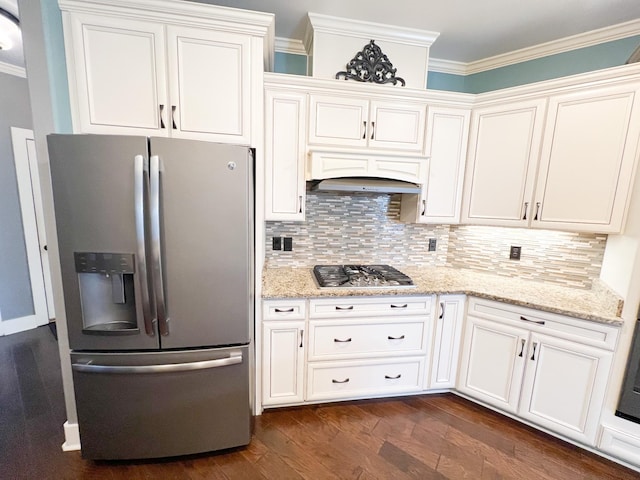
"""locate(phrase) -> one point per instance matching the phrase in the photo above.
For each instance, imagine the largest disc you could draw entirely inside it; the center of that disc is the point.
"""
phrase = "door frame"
(28, 182)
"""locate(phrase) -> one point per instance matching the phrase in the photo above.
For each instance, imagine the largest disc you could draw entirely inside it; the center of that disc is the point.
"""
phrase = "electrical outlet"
(432, 244)
(277, 243)
(288, 244)
(514, 253)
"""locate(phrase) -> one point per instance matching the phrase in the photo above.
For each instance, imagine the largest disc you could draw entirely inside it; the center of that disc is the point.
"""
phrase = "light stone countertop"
(599, 304)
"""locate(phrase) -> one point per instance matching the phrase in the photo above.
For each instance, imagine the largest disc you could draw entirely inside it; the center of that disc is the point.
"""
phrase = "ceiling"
(470, 30)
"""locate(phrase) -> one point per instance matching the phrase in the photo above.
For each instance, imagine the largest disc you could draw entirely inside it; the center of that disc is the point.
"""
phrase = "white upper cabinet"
(167, 68)
(503, 154)
(355, 121)
(285, 113)
(563, 161)
(209, 84)
(441, 198)
(119, 74)
(588, 159)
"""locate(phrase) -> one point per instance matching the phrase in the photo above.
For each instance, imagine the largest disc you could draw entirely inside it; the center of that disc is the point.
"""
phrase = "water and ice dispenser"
(107, 292)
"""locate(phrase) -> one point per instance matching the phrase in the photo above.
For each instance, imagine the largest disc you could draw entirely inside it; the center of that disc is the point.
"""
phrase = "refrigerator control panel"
(94, 262)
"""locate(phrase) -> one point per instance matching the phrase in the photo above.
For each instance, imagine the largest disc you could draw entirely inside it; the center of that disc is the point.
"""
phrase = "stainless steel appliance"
(155, 240)
(629, 403)
(360, 276)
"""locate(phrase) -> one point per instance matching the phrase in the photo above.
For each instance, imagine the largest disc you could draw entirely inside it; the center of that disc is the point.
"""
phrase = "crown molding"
(587, 39)
(290, 45)
(574, 42)
(447, 66)
(13, 70)
(358, 28)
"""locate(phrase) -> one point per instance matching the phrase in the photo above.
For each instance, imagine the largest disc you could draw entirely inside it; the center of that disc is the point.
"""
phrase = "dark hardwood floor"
(419, 437)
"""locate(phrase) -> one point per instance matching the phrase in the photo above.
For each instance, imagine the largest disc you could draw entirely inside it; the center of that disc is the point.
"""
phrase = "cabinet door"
(441, 198)
(397, 126)
(336, 120)
(493, 362)
(446, 345)
(116, 73)
(282, 362)
(503, 154)
(210, 78)
(587, 161)
(564, 386)
(285, 115)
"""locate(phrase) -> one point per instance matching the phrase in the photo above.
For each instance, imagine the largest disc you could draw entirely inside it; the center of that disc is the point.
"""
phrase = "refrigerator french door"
(155, 240)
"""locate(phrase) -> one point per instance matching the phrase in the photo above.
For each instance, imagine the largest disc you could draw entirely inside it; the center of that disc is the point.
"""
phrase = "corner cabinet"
(563, 161)
(545, 368)
(446, 341)
(164, 68)
(285, 115)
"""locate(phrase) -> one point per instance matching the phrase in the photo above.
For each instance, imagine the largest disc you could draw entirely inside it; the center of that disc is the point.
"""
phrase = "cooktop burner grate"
(360, 276)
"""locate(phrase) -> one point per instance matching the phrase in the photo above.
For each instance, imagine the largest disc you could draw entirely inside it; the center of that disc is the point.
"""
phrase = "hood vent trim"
(364, 184)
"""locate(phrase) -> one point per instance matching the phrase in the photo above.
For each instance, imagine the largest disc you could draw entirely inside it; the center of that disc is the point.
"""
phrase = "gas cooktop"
(360, 276)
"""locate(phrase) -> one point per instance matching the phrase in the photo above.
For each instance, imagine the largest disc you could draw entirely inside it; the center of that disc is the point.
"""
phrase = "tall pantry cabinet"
(165, 68)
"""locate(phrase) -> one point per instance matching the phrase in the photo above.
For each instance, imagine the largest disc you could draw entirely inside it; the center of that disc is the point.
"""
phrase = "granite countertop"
(599, 304)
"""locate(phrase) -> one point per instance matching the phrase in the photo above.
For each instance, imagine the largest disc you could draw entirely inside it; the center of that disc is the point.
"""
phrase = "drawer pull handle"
(441, 310)
(533, 355)
(526, 207)
(346, 380)
(337, 340)
(389, 377)
(539, 322)
(401, 337)
(350, 307)
(537, 212)
(285, 310)
(522, 347)
(301, 337)
(399, 306)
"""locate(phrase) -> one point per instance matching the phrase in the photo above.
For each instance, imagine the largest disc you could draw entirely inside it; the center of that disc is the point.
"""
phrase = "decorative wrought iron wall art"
(371, 65)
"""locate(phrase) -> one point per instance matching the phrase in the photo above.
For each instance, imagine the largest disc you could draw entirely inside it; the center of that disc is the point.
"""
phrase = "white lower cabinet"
(364, 347)
(341, 380)
(548, 369)
(446, 341)
(283, 347)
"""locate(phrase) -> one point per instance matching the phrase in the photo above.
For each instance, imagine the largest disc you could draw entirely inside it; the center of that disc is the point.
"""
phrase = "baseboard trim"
(71, 437)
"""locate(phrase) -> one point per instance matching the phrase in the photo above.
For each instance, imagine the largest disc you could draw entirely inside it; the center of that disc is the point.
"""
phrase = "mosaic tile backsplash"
(366, 228)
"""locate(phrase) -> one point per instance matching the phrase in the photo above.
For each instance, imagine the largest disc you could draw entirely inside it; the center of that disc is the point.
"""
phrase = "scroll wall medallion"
(371, 65)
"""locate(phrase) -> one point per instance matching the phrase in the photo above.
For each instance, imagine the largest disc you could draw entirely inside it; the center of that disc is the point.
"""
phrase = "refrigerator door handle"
(156, 248)
(140, 182)
(234, 358)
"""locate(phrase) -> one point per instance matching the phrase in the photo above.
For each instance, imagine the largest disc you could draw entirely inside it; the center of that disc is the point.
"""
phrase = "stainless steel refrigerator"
(155, 240)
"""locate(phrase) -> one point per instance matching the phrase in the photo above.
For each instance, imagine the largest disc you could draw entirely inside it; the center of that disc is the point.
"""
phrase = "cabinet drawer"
(284, 309)
(341, 380)
(330, 340)
(584, 331)
(358, 306)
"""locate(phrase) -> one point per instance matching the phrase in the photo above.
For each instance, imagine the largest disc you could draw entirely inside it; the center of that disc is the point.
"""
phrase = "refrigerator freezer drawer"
(161, 404)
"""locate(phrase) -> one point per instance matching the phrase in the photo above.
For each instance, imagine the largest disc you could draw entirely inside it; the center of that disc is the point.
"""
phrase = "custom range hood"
(364, 184)
(365, 172)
